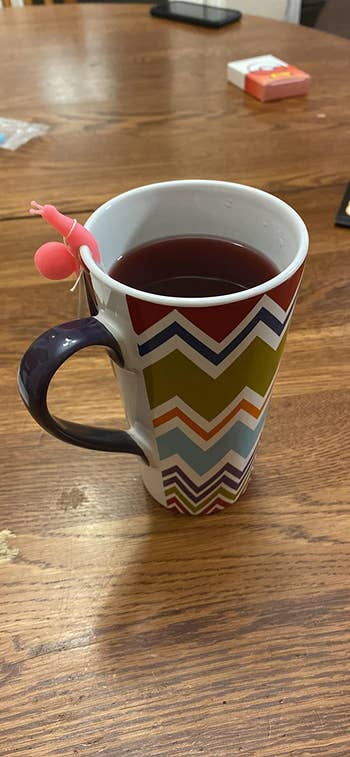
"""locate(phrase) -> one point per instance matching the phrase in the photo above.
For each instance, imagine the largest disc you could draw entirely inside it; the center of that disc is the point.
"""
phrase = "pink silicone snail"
(58, 260)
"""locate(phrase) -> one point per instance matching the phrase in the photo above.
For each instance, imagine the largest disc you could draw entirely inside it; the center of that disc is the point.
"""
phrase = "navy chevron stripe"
(227, 468)
(223, 481)
(175, 329)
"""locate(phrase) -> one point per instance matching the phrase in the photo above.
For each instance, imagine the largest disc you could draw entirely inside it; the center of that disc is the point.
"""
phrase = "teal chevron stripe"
(240, 439)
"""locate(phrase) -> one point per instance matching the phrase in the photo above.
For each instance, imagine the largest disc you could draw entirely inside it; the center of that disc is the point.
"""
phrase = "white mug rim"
(189, 302)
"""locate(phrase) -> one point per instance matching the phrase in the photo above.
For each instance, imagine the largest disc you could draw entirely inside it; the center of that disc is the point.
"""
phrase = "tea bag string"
(78, 279)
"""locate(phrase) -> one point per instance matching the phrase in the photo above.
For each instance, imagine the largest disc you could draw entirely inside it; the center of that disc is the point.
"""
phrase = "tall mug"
(195, 374)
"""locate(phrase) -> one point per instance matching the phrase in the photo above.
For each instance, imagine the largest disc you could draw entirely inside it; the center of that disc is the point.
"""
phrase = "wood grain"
(126, 630)
(130, 99)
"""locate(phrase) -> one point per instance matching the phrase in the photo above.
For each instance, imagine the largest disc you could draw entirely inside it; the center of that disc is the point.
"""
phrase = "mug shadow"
(184, 578)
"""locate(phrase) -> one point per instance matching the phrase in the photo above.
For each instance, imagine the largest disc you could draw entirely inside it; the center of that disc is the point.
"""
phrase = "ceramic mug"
(195, 374)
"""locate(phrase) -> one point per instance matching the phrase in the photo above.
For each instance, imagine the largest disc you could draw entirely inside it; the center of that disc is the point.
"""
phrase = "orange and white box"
(268, 78)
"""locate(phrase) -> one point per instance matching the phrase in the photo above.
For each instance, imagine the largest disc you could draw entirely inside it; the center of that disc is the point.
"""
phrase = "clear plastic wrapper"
(15, 133)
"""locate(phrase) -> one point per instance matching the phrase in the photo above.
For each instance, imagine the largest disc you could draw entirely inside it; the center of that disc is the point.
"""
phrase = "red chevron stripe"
(145, 314)
(217, 501)
(216, 322)
(284, 294)
(210, 508)
(175, 504)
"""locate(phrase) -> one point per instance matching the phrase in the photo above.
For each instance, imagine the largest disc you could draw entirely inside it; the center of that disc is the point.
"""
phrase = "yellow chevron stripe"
(176, 375)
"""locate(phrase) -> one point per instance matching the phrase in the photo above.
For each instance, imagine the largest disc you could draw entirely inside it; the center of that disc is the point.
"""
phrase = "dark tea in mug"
(193, 266)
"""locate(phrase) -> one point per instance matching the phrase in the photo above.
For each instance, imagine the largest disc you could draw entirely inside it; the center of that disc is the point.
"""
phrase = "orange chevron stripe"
(206, 435)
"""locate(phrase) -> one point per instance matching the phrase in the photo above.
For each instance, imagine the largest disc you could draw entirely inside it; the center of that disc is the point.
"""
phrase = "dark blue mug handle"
(40, 363)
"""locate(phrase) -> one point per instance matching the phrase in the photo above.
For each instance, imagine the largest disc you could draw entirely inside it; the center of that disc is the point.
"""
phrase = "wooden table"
(127, 630)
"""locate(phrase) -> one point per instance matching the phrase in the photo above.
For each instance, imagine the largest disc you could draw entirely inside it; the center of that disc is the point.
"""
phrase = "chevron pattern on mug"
(209, 373)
